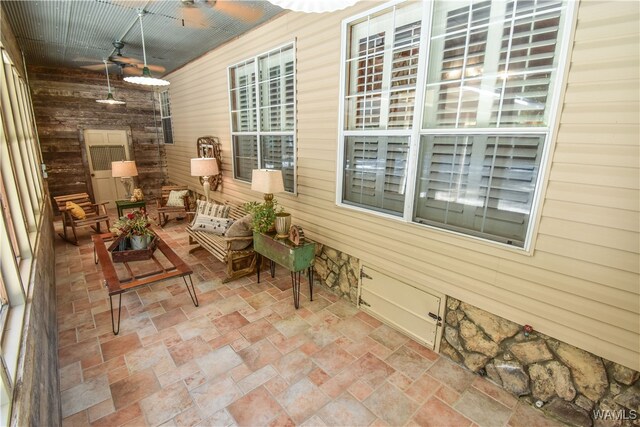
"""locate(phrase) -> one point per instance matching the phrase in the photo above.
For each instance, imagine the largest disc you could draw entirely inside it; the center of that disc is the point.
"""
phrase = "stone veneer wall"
(337, 271)
(573, 384)
(36, 400)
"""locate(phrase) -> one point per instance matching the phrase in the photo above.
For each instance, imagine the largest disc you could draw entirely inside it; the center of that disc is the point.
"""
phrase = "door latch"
(435, 317)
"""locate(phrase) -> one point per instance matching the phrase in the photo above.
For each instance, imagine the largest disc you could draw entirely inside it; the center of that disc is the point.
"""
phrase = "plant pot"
(139, 242)
(283, 223)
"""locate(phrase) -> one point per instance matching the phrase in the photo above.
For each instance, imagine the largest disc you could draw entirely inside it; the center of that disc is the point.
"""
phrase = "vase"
(283, 223)
(139, 242)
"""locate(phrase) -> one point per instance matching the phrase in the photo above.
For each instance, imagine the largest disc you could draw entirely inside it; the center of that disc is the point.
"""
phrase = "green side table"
(293, 258)
(121, 205)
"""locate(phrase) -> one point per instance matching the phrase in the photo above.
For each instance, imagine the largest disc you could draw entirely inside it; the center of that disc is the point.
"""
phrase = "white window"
(489, 88)
(263, 104)
(21, 202)
(165, 117)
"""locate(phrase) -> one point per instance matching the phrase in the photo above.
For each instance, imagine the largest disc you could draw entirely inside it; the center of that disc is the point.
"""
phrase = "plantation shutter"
(480, 183)
(509, 173)
(369, 81)
(403, 75)
(528, 58)
(376, 171)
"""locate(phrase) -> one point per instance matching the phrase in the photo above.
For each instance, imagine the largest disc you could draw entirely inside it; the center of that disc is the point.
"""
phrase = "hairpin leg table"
(139, 273)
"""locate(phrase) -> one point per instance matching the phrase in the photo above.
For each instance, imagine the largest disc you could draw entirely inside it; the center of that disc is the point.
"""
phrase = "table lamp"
(205, 167)
(124, 170)
(267, 181)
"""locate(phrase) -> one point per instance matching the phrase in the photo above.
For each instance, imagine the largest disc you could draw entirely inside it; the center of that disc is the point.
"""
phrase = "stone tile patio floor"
(247, 357)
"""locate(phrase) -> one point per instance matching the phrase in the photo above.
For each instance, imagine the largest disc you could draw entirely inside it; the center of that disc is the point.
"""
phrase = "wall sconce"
(204, 167)
(267, 181)
(124, 170)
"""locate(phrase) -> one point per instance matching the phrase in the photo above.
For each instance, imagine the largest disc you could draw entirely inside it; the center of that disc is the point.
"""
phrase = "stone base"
(337, 271)
(575, 386)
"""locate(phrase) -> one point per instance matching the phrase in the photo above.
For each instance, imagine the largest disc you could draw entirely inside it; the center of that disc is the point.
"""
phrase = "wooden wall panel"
(580, 283)
(64, 101)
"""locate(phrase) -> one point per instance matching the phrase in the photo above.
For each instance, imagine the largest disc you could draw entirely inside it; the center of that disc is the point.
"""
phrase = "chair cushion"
(76, 211)
(240, 228)
(176, 198)
(211, 224)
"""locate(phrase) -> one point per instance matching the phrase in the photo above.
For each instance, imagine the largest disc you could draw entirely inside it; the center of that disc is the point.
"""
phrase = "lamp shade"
(267, 181)
(123, 168)
(204, 167)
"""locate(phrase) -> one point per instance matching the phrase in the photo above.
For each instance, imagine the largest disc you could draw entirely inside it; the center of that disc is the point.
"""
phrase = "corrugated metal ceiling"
(80, 33)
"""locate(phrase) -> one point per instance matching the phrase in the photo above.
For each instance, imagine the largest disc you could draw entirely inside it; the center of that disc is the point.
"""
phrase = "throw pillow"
(176, 198)
(240, 228)
(76, 211)
(211, 209)
(211, 224)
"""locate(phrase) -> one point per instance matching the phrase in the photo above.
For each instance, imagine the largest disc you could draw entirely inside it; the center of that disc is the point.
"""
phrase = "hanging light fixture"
(313, 6)
(110, 99)
(145, 79)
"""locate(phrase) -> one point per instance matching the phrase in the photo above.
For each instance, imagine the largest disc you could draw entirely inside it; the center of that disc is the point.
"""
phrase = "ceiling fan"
(194, 15)
(126, 65)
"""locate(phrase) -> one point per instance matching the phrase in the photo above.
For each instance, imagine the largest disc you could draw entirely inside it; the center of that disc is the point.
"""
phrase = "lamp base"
(126, 183)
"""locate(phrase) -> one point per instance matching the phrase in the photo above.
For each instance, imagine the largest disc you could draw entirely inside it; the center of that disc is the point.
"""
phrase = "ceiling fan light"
(313, 6)
(146, 79)
(110, 100)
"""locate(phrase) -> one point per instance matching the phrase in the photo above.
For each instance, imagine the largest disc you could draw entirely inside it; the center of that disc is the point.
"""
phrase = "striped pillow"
(213, 209)
(210, 209)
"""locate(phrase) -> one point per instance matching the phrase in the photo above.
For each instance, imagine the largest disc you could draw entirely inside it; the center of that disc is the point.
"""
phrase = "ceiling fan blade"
(124, 59)
(238, 10)
(96, 67)
(193, 17)
(156, 68)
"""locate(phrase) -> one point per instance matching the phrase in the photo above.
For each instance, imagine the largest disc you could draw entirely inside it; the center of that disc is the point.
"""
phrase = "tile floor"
(245, 356)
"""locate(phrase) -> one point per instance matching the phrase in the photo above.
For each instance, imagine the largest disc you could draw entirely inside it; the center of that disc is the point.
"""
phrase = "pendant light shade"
(313, 6)
(110, 99)
(145, 79)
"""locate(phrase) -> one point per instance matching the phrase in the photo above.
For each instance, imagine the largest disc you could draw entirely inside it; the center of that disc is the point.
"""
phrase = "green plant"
(135, 223)
(264, 215)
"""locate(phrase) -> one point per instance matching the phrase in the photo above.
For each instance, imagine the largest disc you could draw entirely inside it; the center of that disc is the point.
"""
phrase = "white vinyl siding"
(491, 67)
(263, 114)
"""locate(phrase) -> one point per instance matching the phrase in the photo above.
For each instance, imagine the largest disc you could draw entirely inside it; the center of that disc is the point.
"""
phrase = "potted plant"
(264, 215)
(136, 227)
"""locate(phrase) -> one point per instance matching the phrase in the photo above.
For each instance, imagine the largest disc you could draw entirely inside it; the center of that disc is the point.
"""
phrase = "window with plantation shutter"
(165, 117)
(489, 72)
(263, 114)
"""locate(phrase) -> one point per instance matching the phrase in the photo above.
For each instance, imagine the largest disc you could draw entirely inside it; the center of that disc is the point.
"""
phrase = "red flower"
(130, 215)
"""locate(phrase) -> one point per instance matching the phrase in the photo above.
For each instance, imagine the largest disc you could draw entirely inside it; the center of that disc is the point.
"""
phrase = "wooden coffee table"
(138, 273)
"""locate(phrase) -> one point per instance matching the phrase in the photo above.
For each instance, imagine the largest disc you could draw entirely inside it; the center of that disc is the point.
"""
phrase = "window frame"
(556, 90)
(258, 133)
(163, 117)
(20, 217)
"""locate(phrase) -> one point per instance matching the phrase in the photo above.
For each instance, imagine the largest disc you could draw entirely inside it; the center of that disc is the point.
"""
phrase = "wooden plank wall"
(580, 284)
(64, 101)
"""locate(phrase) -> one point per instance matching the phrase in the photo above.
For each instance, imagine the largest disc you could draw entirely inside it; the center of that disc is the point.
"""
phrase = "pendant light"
(145, 79)
(110, 99)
